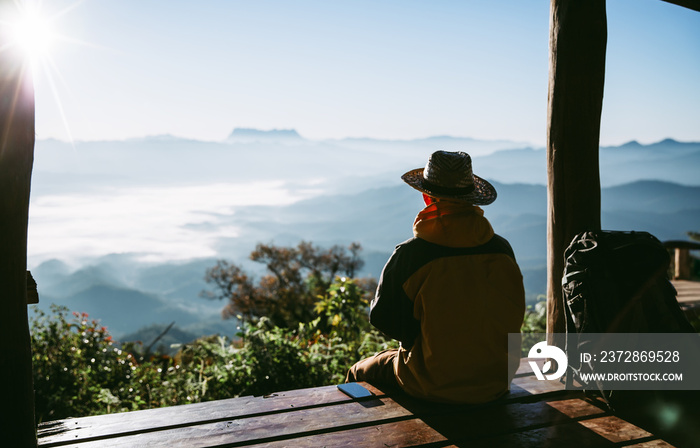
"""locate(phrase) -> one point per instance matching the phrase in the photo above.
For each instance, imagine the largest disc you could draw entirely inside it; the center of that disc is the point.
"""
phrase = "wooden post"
(578, 37)
(682, 263)
(17, 427)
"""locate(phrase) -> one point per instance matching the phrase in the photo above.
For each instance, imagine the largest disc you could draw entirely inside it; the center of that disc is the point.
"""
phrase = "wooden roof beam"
(690, 4)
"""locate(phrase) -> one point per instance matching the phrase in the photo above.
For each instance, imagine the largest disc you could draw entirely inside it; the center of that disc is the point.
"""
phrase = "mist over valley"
(125, 230)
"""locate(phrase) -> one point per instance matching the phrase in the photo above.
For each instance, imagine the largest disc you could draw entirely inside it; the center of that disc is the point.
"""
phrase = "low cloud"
(163, 223)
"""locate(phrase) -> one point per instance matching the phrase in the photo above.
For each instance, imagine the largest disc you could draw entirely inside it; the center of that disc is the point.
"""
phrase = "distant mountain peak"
(665, 142)
(631, 144)
(258, 134)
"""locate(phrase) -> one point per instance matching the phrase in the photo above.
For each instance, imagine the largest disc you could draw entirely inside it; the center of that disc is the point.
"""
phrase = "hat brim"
(484, 193)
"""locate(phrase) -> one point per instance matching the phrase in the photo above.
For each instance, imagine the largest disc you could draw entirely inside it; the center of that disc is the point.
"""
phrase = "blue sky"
(335, 69)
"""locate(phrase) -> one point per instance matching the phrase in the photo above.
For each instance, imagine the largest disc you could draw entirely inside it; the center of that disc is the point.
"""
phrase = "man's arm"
(392, 310)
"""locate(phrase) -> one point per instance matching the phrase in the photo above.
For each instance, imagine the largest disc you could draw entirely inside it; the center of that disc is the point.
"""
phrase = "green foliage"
(316, 353)
(536, 317)
(343, 310)
(534, 324)
(77, 367)
(79, 370)
(277, 359)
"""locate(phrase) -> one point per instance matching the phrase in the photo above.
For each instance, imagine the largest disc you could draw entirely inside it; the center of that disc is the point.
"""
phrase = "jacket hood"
(452, 224)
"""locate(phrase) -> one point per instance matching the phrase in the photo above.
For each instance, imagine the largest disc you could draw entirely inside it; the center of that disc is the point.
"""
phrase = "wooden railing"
(682, 261)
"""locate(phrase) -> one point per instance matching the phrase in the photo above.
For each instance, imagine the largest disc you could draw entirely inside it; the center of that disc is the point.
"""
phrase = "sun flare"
(33, 35)
(31, 32)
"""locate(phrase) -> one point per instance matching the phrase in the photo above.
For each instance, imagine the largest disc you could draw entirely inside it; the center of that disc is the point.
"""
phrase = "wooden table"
(534, 414)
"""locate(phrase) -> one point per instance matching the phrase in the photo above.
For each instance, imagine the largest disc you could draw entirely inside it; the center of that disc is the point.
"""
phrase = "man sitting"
(450, 295)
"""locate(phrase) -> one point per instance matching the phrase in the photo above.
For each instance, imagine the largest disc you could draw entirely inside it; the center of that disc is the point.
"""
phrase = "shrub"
(78, 370)
(534, 324)
(535, 317)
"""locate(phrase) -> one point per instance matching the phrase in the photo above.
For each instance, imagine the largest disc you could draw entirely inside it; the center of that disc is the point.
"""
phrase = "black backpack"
(616, 282)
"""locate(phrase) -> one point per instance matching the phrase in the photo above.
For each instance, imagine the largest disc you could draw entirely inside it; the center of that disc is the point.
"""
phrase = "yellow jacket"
(451, 295)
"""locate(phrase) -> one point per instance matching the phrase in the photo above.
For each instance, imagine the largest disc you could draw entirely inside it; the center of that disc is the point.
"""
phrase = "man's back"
(463, 302)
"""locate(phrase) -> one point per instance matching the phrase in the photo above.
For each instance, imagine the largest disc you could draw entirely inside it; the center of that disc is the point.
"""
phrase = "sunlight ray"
(59, 103)
(57, 72)
(67, 9)
(72, 40)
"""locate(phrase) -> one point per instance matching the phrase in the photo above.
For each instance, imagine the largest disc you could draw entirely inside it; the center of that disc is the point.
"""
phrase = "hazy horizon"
(169, 200)
(361, 69)
(358, 137)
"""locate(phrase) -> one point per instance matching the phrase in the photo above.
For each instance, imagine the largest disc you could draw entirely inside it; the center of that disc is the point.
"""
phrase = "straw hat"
(448, 175)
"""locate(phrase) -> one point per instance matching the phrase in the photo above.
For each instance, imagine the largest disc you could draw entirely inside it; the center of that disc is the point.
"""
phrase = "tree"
(297, 277)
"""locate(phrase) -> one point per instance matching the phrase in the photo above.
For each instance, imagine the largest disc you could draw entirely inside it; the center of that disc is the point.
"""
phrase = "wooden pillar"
(17, 427)
(682, 263)
(578, 37)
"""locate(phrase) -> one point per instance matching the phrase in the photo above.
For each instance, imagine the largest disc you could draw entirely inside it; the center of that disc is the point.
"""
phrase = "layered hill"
(128, 228)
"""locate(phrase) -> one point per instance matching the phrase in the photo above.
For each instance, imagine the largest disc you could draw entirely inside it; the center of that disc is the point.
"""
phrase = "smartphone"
(354, 390)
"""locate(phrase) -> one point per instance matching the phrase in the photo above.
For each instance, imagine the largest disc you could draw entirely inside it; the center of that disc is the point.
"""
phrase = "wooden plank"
(244, 431)
(111, 425)
(337, 421)
(101, 426)
(568, 422)
(104, 425)
(688, 291)
(522, 390)
(534, 386)
(325, 416)
(413, 432)
(496, 421)
(298, 414)
(575, 408)
(578, 38)
(615, 429)
(16, 158)
(688, 297)
(569, 434)
(651, 444)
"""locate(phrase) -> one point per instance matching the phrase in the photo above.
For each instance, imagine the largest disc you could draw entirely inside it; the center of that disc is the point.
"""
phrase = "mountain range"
(348, 190)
